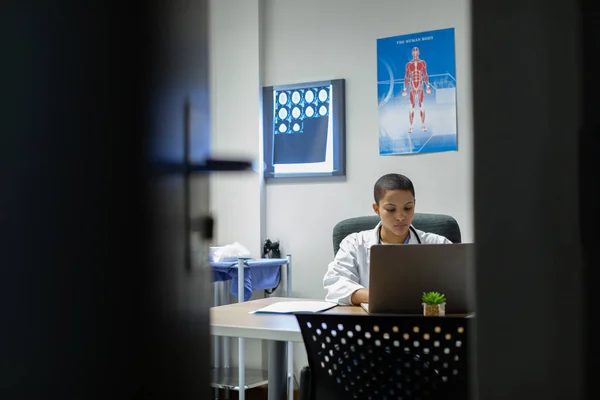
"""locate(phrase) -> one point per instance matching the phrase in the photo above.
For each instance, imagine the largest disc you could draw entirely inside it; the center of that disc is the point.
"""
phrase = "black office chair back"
(385, 357)
(440, 224)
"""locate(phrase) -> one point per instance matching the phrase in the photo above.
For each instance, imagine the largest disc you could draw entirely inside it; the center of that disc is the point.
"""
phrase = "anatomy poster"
(416, 89)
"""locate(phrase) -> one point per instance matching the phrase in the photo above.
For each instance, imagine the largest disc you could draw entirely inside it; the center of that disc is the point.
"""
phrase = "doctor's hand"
(360, 296)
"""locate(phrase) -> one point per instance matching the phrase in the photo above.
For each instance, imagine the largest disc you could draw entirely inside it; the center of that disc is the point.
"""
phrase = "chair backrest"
(440, 224)
(386, 356)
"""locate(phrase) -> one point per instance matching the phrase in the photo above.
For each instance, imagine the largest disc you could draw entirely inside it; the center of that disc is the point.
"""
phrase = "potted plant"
(434, 304)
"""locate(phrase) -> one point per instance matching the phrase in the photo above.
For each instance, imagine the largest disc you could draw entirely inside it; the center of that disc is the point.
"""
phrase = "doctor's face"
(396, 209)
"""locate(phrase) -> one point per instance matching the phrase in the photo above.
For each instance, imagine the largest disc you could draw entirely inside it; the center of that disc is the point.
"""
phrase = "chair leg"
(306, 390)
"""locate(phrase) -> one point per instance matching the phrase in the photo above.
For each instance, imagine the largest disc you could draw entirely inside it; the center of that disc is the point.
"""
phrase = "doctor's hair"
(392, 182)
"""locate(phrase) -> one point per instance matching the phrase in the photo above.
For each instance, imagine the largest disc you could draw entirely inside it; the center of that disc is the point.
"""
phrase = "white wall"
(236, 199)
(337, 39)
(314, 40)
(235, 111)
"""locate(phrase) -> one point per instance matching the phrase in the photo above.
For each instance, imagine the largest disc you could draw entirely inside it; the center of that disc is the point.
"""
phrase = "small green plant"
(433, 298)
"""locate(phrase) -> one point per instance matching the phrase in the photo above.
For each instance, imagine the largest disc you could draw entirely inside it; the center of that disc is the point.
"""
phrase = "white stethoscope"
(410, 228)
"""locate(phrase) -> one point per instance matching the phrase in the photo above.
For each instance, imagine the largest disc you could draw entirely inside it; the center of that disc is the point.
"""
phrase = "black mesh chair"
(441, 224)
(384, 357)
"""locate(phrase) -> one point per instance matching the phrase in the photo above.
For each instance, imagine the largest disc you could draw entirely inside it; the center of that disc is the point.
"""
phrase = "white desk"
(281, 330)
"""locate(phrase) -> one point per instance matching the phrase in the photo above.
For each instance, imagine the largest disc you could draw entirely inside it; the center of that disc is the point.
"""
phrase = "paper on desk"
(290, 307)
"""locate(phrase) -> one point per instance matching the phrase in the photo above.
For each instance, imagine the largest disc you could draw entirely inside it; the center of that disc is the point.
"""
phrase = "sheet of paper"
(290, 307)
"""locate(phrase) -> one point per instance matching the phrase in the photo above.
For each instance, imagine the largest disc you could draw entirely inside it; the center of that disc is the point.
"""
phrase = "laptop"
(400, 274)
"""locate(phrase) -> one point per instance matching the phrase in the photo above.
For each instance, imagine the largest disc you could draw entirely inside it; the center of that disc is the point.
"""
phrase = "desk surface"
(234, 320)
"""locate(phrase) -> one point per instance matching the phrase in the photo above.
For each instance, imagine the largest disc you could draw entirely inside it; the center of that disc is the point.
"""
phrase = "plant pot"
(434, 310)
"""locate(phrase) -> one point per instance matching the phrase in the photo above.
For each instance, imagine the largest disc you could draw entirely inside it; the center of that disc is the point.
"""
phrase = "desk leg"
(216, 339)
(290, 370)
(241, 360)
(225, 340)
(277, 370)
(241, 370)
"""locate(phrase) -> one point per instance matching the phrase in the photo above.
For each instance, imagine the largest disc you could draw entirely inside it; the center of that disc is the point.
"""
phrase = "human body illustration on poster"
(416, 89)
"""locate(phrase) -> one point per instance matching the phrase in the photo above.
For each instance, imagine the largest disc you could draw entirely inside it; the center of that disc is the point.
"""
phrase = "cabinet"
(237, 378)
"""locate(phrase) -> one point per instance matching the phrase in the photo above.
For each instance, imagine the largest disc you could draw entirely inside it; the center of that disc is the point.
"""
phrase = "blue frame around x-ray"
(299, 122)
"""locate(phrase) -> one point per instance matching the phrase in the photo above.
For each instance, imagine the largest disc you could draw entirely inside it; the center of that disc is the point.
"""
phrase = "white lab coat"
(349, 271)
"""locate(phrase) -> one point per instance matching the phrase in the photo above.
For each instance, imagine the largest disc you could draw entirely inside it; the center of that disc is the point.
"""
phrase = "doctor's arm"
(360, 296)
(342, 279)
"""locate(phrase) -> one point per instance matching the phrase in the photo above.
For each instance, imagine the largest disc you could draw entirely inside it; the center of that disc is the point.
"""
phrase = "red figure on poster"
(416, 74)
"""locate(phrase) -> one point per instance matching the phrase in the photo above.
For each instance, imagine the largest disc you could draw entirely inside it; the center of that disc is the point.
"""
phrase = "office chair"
(384, 357)
(441, 224)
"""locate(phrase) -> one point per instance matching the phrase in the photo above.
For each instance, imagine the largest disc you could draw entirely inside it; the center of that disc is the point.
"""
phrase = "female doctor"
(347, 278)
